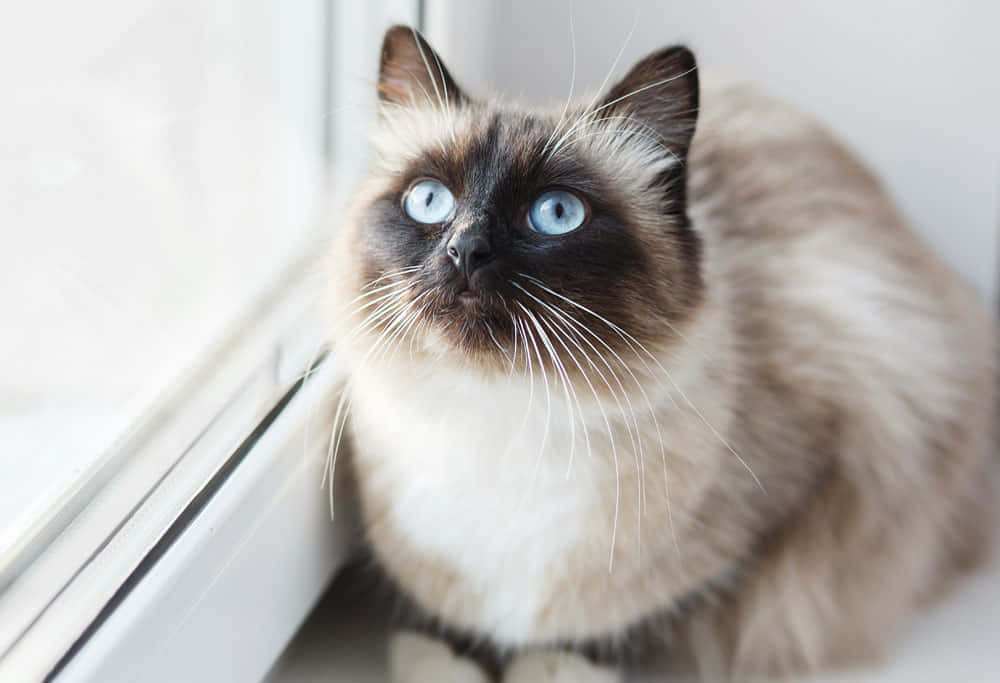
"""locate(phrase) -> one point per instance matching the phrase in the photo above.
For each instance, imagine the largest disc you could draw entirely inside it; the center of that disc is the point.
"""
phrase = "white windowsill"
(58, 594)
(230, 591)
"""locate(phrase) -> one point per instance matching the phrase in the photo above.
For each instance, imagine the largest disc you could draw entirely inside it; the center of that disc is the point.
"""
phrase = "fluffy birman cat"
(664, 364)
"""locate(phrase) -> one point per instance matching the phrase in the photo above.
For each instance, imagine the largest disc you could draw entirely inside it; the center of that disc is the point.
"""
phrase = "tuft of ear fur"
(661, 92)
(411, 72)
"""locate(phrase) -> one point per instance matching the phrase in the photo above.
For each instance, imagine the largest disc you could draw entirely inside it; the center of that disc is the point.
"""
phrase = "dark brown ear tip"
(680, 55)
(394, 35)
(409, 67)
(397, 32)
(401, 38)
(680, 61)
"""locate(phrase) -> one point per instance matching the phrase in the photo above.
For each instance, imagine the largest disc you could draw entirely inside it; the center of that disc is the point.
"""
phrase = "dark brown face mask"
(506, 226)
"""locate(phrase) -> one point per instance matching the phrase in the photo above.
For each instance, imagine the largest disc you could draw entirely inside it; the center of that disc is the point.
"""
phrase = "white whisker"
(548, 398)
(583, 119)
(635, 438)
(520, 328)
(630, 340)
(441, 99)
(572, 82)
(339, 421)
(560, 373)
(611, 438)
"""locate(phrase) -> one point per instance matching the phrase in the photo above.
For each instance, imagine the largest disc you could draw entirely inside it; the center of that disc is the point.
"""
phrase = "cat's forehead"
(471, 137)
(482, 141)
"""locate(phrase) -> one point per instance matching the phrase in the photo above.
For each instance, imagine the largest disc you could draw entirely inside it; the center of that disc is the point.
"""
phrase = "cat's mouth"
(467, 297)
(470, 318)
(467, 304)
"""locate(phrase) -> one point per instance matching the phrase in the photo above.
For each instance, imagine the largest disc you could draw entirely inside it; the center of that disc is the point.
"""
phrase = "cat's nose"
(469, 250)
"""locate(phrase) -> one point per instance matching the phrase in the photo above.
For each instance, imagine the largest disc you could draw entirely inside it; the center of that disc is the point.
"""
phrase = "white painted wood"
(161, 169)
(228, 595)
(249, 97)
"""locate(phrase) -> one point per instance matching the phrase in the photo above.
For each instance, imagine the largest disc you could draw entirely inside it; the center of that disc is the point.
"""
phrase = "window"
(166, 170)
(162, 175)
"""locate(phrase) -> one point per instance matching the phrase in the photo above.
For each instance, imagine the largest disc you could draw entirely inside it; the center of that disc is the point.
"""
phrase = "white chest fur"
(459, 461)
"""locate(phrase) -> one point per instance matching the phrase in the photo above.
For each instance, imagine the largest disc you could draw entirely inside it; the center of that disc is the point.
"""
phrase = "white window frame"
(195, 552)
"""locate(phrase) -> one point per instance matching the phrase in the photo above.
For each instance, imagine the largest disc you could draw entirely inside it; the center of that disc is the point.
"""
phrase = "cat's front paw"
(416, 658)
(553, 666)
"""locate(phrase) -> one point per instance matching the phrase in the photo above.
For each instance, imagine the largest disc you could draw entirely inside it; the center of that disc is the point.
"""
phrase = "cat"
(666, 361)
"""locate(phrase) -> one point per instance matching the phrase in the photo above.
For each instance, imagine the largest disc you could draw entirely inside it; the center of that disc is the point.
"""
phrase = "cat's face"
(492, 231)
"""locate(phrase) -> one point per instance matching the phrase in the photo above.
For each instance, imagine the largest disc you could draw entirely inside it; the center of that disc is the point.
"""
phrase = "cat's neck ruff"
(499, 479)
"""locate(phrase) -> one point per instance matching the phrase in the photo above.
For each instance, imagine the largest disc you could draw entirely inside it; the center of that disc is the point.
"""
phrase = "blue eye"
(429, 202)
(556, 212)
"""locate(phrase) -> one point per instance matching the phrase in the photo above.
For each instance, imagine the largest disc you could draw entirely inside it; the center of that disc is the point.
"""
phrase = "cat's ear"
(661, 91)
(411, 73)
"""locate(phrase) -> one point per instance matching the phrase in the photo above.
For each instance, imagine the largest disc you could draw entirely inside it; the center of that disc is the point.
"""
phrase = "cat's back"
(831, 292)
(761, 168)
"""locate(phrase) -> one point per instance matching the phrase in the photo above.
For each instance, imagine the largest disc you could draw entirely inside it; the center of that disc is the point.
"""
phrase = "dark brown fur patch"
(622, 266)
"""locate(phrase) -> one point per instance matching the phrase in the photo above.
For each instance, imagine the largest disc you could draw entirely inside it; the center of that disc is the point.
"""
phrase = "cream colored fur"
(416, 658)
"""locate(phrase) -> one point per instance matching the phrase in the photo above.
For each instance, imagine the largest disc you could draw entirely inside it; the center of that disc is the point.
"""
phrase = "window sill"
(227, 594)
(90, 553)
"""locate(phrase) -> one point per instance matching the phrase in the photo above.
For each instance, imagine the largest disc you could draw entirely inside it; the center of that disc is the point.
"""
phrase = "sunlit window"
(161, 166)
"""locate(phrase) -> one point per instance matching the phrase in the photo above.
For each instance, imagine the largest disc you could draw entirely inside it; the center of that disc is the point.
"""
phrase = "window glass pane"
(160, 166)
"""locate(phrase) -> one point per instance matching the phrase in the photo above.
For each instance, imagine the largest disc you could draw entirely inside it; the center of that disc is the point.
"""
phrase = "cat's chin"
(466, 352)
(469, 333)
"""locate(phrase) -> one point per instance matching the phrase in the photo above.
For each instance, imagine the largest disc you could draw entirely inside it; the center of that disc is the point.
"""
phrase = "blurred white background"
(159, 168)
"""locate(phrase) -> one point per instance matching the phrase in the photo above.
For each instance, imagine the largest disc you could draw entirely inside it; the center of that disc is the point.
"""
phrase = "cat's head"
(487, 230)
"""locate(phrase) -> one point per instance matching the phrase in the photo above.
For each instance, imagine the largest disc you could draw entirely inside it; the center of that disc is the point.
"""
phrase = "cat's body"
(792, 466)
